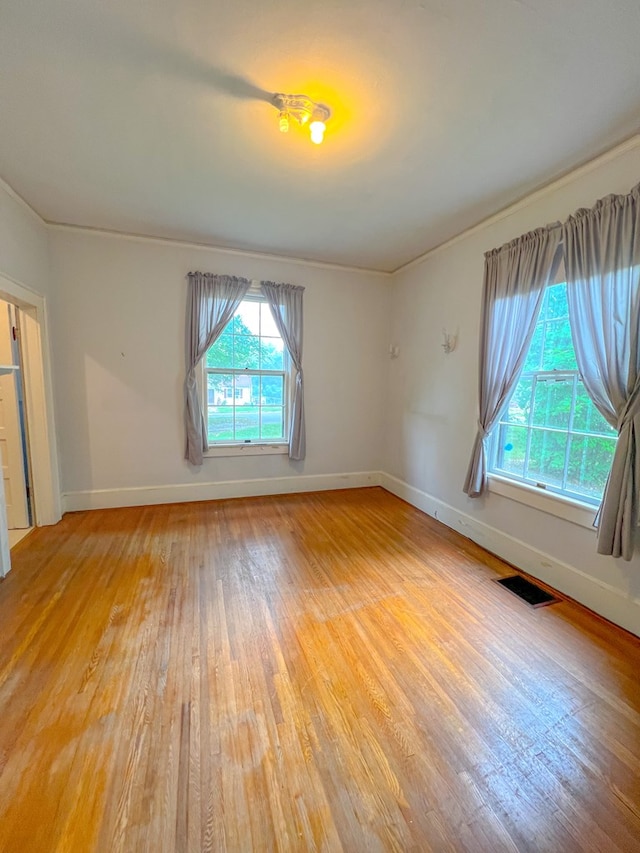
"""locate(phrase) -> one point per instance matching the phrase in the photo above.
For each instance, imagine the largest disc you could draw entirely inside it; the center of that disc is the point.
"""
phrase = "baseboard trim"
(603, 599)
(188, 492)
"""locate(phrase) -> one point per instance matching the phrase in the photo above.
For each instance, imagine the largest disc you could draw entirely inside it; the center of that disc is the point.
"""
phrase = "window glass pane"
(552, 403)
(246, 394)
(520, 403)
(246, 352)
(272, 390)
(271, 354)
(220, 423)
(254, 379)
(272, 422)
(219, 389)
(558, 347)
(221, 353)
(246, 320)
(556, 301)
(546, 457)
(267, 326)
(589, 463)
(533, 360)
(247, 422)
(587, 418)
(512, 446)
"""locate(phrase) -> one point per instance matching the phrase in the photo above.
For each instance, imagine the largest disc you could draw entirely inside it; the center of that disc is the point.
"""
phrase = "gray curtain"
(285, 301)
(602, 260)
(515, 277)
(211, 302)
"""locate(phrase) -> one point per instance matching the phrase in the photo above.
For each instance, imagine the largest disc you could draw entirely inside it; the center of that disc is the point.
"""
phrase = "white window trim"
(250, 448)
(552, 503)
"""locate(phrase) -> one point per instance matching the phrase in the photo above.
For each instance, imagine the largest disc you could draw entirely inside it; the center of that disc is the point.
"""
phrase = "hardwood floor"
(330, 671)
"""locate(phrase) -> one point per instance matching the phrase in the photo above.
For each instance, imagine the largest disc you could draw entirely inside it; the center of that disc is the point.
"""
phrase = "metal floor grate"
(527, 591)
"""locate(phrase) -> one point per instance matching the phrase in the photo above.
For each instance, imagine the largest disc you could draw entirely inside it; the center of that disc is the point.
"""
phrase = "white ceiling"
(149, 116)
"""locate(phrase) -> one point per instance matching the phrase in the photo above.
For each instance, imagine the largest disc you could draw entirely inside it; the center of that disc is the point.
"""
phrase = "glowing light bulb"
(317, 129)
(284, 122)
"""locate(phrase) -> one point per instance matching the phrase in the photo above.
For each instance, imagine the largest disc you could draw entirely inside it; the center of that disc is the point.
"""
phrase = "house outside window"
(551, 435)
(247, 380)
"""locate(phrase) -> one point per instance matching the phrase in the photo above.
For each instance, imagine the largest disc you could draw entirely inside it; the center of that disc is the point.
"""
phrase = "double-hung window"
(247, 380)
(551, 435)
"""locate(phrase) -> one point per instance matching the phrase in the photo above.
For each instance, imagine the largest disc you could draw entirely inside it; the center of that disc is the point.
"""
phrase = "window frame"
(249, 447)
(563, 502)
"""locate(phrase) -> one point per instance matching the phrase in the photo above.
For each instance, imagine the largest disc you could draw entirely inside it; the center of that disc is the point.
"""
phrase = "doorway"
(13, 426)
(37, 429)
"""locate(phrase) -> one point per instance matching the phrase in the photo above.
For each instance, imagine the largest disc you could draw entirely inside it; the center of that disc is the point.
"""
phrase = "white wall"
(118, 348)
(432, 404)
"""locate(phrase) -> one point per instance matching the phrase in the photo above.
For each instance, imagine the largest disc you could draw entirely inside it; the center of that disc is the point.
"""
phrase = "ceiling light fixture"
(303, 110)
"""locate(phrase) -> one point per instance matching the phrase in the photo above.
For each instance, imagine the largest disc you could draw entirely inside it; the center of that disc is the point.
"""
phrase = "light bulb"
(317, 129)
(284, 122)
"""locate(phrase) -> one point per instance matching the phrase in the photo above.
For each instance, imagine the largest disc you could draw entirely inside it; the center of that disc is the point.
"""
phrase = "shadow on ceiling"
(112, 38)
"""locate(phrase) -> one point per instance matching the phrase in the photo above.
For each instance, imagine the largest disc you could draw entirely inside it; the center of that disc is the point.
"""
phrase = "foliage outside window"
(246, 378)
(551, 435)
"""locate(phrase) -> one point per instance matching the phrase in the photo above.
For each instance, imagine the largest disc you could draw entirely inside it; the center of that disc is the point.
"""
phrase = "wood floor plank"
(329, 671)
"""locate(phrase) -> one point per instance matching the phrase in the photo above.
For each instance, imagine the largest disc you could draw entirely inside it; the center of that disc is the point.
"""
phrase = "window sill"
(571, 510)
(247, 449)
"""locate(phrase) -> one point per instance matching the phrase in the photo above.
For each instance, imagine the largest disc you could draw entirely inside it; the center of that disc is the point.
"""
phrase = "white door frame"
(15, 473)
(38, 400)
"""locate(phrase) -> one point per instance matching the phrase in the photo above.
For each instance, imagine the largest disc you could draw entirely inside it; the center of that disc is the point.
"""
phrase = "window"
(551, 435)
(246, 375)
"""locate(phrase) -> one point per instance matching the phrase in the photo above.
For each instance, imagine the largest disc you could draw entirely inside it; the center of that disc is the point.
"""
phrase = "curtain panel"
(602, 260)
(285, 302)
(515, 277)
(212, 301)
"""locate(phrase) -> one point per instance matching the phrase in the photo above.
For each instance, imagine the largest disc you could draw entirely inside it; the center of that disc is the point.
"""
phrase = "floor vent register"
(527, 591)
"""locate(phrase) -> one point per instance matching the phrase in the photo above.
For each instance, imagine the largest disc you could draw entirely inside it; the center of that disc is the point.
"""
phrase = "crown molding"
(240, 253)
(546, 189)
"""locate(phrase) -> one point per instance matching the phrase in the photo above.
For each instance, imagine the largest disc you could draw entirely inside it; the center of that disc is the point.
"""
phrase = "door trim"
(15, 455)
(38, 400)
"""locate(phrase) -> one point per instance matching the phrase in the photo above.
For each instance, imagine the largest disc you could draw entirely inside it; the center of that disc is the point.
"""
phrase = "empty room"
(319, 426)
